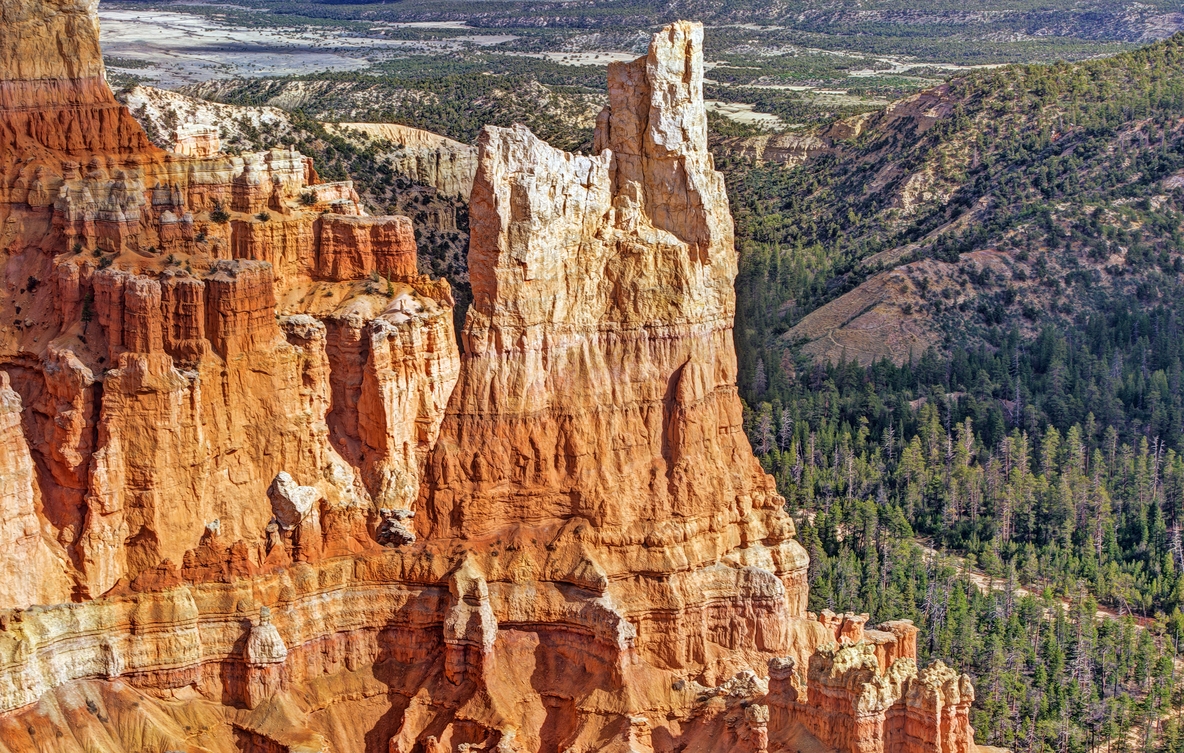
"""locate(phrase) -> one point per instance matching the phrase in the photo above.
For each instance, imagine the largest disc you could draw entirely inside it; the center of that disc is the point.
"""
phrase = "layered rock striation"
(168, 349)
(424, 157)
(268, 504)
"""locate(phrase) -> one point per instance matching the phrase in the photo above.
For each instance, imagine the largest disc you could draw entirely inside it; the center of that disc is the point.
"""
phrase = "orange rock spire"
(598, 381)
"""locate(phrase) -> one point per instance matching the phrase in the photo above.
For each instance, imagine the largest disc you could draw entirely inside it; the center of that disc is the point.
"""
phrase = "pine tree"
(785, 430)
(764, 430)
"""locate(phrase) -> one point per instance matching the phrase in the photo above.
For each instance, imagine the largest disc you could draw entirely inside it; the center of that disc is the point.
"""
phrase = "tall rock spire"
(53, 105)
(599, 375)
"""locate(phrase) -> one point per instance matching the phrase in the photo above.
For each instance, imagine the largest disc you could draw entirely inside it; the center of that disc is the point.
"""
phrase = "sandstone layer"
(781, 148)
(422, 156)
(199, 127)
(254, 498)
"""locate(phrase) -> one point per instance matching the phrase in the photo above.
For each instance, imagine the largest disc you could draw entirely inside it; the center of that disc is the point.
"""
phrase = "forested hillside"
(451, 95)
(1030, 218)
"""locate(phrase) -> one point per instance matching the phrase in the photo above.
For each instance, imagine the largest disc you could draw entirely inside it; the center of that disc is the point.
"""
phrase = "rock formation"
(194, 126)
(266, 504)
(424, 157)
(169, 368)
(781, 148)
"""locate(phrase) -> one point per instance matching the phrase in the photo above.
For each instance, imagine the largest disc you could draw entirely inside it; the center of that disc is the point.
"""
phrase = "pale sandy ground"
(183, 48)
(742, 112)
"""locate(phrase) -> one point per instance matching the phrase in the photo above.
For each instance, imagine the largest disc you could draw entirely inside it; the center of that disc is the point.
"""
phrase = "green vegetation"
(1062, 167)
(452, 95)
(1048, 675)
(119, 62)
(1042, 446)
(219, 214)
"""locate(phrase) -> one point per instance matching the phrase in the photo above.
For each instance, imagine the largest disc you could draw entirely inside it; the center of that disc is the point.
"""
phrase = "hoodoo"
(253, 497)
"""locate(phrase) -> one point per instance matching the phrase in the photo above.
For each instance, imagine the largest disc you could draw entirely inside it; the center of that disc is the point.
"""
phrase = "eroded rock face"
(782, 148)
(33, 573)
(850, 703)
(43, 84)
(597, 408)
(423, 156)
(599, 374)
(161, 386)
(269, 499)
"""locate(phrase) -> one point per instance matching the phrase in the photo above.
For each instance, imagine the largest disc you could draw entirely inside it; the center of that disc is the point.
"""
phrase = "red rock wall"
(72, 119)
(240, 308)
(183, 310)
(286, 242)
(352, 248)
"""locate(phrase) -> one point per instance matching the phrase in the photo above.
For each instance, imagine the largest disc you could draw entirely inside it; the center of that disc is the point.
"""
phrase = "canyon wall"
(254, 497)
(164, 361)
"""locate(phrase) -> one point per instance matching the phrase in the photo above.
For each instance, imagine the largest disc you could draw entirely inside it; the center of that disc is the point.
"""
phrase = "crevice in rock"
(347, 349)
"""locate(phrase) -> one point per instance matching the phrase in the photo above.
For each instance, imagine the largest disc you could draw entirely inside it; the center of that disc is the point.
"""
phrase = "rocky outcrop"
(422, 156)
(850, 703)
(161, 394)
(54, 98)
(352, 248)
(197, 127)
(781, 148)
(273, 506)
(33, 571)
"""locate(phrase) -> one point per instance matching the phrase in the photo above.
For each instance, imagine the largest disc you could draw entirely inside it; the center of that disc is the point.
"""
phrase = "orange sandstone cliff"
(253, 497)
